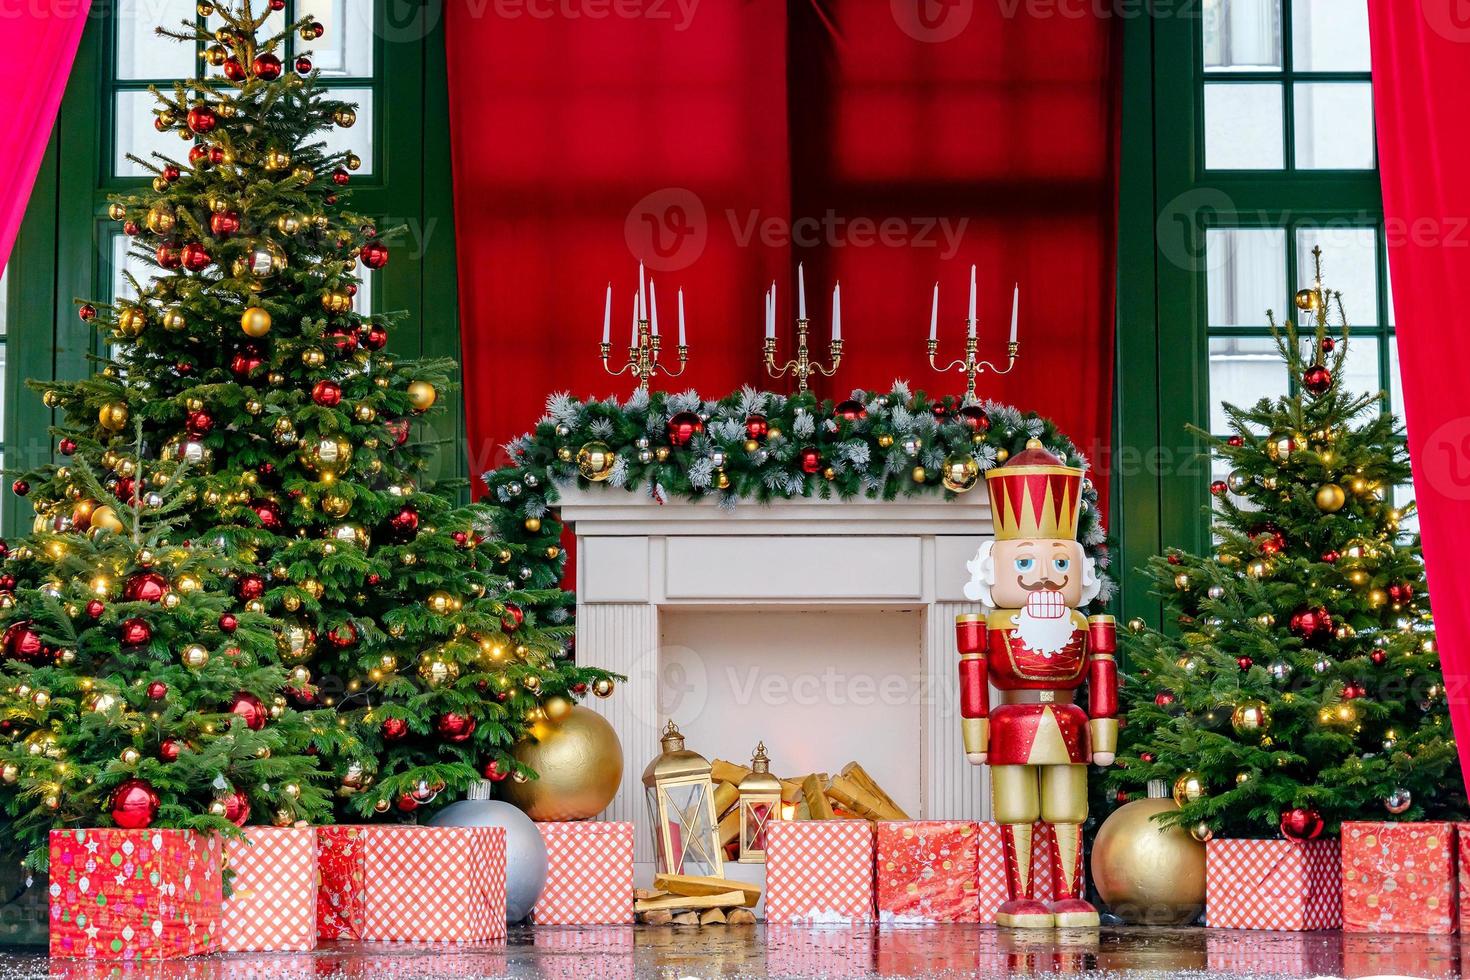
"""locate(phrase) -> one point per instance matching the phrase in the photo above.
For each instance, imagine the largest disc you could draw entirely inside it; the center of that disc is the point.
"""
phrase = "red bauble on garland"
(303, 65)
(407, 803)
(168, 255)
(454, 726)
(195, 257)
(169, 750)
(23, 643)
(95, 608)
(1353, 691)
(683, 427)
(1312, 624)
(374, 336)
(974, 416)
(268, 512)
(514, 616)
(1317, 379)
(228, 623)
(157, 691)
(757, 427)
(237, 808)
(199, 423)
(20, 488)
(404, 525)
(1379, 657)
(374, 255)
(494, 773)
(233, 69)
(809, 459)
(342, 339)
(224, 223)
(1300, 823)
(342, 636)
(250, 587)
(135, 633)
(1218, 488)
(1244, 663)
(250, 708)
(202, 119)
(247, 362)
(851, 410)
(1269, 538)
(328, 394)
(1164, 698)
(134, 804)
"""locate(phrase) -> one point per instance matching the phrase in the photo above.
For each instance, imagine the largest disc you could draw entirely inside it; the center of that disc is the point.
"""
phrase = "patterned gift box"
(1462, 845)
(273, 894)
(1398, 877)
(134, 894)
(991, 890)
(1281, 954)
(412, 884)
(413, 963)
(589, 874)
(832, 951)
(928, 871)
(1273, 884)
(819, 871)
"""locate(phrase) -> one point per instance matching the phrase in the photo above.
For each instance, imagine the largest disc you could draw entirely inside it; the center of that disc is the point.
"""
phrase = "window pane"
(360, 137)
(125, 262)
(1243, 126)
(1402, 497)
(346, 50)
(141, 53)
(3, 352)
(1329, 35)
(363, 301)
(1247, 273)
(1349, 264)
(1395, 383)
(1242, 35)
(1243, 370)
(136, 135)
(1334, 126)
(1360, 375)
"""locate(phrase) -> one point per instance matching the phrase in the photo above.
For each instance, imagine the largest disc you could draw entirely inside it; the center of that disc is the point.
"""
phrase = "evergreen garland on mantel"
(761, 446)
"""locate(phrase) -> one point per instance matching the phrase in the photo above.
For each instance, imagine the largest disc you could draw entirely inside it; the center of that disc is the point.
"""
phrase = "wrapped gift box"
(1399, 877)
(134, 894)
(1462, 846)
(991, 891)
(801, 951)
(1283, 954)
(1273, 884)
(273, 892)
(412, 884)
(928, 871)
(589, 874)
(819, 871)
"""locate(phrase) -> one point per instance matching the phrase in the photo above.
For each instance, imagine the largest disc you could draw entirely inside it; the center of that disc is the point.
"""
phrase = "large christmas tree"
(273, 408)
(1300, 685)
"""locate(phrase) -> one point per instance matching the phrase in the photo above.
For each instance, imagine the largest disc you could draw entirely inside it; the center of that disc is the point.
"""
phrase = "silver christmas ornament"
(525, 850)
(1215, 591)
(1398, 801)
(1279, 670)
(1239, 481)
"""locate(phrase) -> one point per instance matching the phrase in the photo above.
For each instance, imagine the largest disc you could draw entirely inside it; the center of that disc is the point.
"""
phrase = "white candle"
(1015, 310)
(800, 292)
(971, 320)
(837, 312)
(681, 318)
(634, 342)
(642, 296)
(607, 317)
(934, 315)
(653, 305)
(771, 310)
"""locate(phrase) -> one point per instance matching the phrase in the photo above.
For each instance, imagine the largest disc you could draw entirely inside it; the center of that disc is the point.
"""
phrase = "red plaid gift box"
(1398, 877)
(412, 884)
(819, 871)
(927, 871)
(991, 882)
(272, 902)
(834, 951)
(589, 874)
(1284, 954)
(1273, 884)
(134, 894)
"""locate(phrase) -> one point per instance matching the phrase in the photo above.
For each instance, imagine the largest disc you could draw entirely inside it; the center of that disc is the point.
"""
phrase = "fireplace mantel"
(637, 557)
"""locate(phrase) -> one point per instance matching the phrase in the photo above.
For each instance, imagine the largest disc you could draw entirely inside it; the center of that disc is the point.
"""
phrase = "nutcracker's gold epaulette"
(1001, 619)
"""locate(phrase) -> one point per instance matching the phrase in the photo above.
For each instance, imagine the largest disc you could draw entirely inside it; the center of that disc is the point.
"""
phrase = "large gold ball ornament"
(578, 762)
(328, 455)
(256, 322)
(1251, 717)
(421, 396)
(113, 416)
(1189, 788)
(440, 602)
(960, 473)
(595, 461)
(335, 505)
(558, 709)
(336, 301)
(296, 643)
(345, 117)
(1331, 498)
(1148, 874)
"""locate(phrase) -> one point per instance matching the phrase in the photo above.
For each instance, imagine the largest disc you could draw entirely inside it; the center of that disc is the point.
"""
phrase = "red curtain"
(881, 148)
(1421, 70)
(37, 45)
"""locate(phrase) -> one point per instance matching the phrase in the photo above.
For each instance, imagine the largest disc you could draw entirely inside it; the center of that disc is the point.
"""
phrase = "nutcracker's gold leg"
(1064, 806)
(1015, 793)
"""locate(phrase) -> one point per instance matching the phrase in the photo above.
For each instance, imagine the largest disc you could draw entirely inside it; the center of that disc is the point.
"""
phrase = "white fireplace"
(825, 628)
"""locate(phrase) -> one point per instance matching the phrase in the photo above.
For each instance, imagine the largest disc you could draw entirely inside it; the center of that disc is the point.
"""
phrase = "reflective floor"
(773, 951)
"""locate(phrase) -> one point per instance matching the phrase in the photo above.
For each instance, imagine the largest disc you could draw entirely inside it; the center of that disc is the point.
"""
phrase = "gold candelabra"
(643, 360)
(802, 366)
(971, 366)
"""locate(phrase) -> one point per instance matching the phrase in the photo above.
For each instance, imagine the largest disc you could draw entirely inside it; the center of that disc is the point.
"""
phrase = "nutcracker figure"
(1033, 645)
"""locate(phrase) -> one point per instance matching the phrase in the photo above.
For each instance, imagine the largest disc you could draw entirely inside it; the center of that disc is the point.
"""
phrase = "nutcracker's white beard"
(1043, 625)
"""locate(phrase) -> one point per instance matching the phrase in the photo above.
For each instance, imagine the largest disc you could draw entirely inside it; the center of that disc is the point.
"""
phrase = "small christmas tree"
(1302, 686)
(274, 405)
(138, 690)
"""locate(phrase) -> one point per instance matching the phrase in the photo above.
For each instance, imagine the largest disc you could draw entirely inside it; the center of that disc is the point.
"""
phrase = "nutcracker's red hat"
(1034, 495)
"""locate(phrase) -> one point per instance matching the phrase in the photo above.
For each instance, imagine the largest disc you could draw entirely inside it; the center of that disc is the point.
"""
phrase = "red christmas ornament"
(316, 30)
(1300, 823)
(22, 643)
(757, 427)
(195, 257)
(247, 362)
(343, 339)
(1330, 556)
(278, 4)
(228, 623)
(135, 633)
(683, 427)
(168, 255)
(460, 538)
(974, 416)
(171, 173)
(1172, 559)
(249, 707)
(1269, 538)
(126, 489)
(851, 410)
(1351, 692)
(1235, 442)
(1244, 663)
(1146, 757)
(134, 804)
(342, 636)
(266, 66)
(394, 729)
(1317, 379)
(407, 803)
(87, 312)
(1312, 625)
(199, 156)
(494, 773)
(233, 69)
(455, 727)
(1379, 657)
(224, 223)
(340, 177)
(202, 119)
(1121, 796)
(95, 608)
(268, 512)
(145, 587)
(1164, 698)
(303, 65)
(399, 429)
(374, 336)
(374, 254)
(67, 447)
(20, 488)
(169, 749)
(404, 525)
(157, 691)
(810, 460)
(1401, 592)
(7, 583)
(328, 394)
(1218, 488)
(199, 424)
(250, 587)
(1328, 345)
(131, 229)
(237, 808)
(579, 688)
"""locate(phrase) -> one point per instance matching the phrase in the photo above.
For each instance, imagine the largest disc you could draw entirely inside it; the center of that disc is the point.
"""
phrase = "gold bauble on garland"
(1148, 874)
(256, 322)
(595, 461)
(578, 764)
(113, 416)
(1331, 498)
(1188, 788)
(960, 473)
(421, 396)
(1251, 717)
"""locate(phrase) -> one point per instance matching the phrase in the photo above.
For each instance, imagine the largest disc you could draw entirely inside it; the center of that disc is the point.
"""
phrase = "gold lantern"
(760, 803)
(681, 810)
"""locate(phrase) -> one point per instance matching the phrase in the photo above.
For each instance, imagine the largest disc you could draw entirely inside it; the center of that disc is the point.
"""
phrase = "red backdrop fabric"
(881, 147)
(38, 43)
(1421, 70)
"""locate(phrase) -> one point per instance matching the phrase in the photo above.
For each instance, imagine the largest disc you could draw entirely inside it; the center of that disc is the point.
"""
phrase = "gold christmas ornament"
(919, 474)
(1189, 788)
(441, 602)
(1331, 498)
(1149, 874)
(421, 396)
(295, 643)
(194, 656)
(131, 321)
(277, 160)
(256, 322)
(113, 416)
(960, 474)
(557, 709)
(595, 461)
(159, 219)
(1251, 717)
(1309, 300)
(603, 687)
(345, 117)
(261, 259)
(579, 762)
(533, 524)
(1201, 832)
(335, 505)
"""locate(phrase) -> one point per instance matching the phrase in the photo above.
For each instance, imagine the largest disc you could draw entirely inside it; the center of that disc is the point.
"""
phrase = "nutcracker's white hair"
(982, 577)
